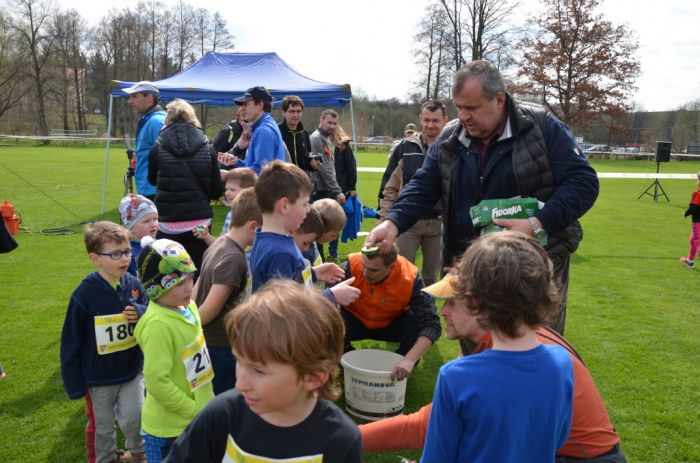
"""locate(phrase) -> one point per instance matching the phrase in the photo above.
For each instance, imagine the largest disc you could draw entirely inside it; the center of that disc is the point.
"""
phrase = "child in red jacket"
(693, 211)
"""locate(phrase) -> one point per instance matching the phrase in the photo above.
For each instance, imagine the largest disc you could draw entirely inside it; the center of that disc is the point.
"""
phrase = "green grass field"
(633, 309)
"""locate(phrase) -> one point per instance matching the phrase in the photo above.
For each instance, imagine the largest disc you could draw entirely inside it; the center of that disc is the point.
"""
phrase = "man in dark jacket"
(405, 160)
(294, 135)
(499, 148)
(229, 135)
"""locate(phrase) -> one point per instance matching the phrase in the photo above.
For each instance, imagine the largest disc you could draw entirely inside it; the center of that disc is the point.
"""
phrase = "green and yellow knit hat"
(162, 265)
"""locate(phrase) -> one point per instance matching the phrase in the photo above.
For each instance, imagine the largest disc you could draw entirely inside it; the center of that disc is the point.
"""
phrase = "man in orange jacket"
(592, 437)
(391, 307)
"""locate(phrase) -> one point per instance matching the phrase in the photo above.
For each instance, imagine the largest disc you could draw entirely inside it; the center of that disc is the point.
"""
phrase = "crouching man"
(392, 307)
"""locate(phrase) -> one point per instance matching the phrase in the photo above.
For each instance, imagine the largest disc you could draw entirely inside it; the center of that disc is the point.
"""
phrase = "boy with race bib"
(99, 356)
(177, 367)
(288, 341)
(283, 192)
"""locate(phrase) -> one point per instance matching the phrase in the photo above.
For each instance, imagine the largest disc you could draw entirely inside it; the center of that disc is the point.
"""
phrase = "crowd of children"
(151, 354)
(254, 330)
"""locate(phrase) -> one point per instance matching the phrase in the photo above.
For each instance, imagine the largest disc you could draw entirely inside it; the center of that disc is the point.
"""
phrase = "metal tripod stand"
(657, 186)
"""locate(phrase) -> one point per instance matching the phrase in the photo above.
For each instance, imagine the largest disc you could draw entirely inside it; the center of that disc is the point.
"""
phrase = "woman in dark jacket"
(345, 173)
(184, 168)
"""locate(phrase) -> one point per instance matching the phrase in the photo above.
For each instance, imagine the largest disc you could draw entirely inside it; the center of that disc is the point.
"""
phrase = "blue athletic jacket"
(81, 366)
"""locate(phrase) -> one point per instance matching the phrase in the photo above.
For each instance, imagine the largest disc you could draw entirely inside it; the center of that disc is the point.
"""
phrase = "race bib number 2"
(197, 364)
(113, 334)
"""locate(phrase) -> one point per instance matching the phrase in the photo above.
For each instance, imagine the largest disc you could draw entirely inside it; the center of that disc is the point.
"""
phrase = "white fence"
(73, 133)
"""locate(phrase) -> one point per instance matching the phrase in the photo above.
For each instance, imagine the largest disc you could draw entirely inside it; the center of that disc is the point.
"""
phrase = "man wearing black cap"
(143, 96)
(265, 143)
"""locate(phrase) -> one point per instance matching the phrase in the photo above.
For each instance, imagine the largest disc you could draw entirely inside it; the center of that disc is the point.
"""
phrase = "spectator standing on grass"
(498, 148)
(184, 167)
(694, 212)
(229, 135)
(345, 174)
(265, 143)
(405, 160)
(325, 183)
(143, 97)
(295, 136)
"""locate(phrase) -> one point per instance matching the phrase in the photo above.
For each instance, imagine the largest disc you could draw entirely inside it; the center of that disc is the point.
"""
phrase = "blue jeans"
(224, 364)
(157, 448)
(333, 249)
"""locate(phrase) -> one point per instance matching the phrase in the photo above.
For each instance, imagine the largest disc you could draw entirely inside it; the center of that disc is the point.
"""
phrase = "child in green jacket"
(177, 370)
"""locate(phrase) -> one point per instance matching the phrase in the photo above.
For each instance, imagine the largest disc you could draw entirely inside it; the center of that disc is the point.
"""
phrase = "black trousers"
(403, 329)
(193, 245)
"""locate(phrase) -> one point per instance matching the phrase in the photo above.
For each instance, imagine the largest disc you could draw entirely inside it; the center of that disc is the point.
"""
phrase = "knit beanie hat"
(163, 264)
(135, 207)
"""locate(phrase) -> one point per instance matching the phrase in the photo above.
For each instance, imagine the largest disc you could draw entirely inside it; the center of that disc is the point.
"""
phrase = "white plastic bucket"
(370, 393)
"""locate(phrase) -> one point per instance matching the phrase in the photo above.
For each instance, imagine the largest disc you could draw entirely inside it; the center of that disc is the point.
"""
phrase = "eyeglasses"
(116, 255)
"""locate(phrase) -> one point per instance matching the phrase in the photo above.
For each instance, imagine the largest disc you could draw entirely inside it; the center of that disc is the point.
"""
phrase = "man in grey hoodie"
(322, 150)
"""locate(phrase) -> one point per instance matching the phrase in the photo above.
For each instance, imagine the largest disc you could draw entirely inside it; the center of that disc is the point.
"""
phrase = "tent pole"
(354, 138)
(109, 134)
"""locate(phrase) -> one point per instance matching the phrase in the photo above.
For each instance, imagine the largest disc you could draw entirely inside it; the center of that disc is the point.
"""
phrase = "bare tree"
(580, 63)
(185, 34)
(69, 30)
(166, 31)
(11, 65)
(453, 10)
(221, 37)
(480, 28)
(203, 28)
(432, 55)
(33, 18)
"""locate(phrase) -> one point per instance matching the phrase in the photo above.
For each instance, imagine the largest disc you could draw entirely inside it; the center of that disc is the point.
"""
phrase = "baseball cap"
(143, 87)
(410, 128)
(254, 93)
(443, 289)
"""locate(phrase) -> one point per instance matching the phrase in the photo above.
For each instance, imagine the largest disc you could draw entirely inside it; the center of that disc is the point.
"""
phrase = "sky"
(368, 43)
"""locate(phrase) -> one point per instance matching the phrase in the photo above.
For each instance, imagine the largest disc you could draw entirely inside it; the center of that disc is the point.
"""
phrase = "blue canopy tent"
(218, 78)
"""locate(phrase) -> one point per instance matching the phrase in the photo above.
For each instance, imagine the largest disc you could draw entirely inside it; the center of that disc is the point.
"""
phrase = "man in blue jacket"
(143, 96)
(498, 148)
(265, 142)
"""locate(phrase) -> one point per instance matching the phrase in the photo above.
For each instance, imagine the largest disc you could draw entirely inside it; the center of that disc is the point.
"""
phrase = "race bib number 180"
(113, 334)
(197, 364)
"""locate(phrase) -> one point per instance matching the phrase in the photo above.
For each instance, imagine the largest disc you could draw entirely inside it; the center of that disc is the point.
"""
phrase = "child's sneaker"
(687, 262)
(122, 456)
(138, 457)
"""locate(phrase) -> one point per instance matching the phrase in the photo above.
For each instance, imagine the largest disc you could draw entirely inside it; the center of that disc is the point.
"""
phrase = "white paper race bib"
(235, 454)
(113, 334)
(307, 275)
(197, 364)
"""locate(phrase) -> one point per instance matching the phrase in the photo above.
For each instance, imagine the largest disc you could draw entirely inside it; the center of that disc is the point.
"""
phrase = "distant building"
(693, 147)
